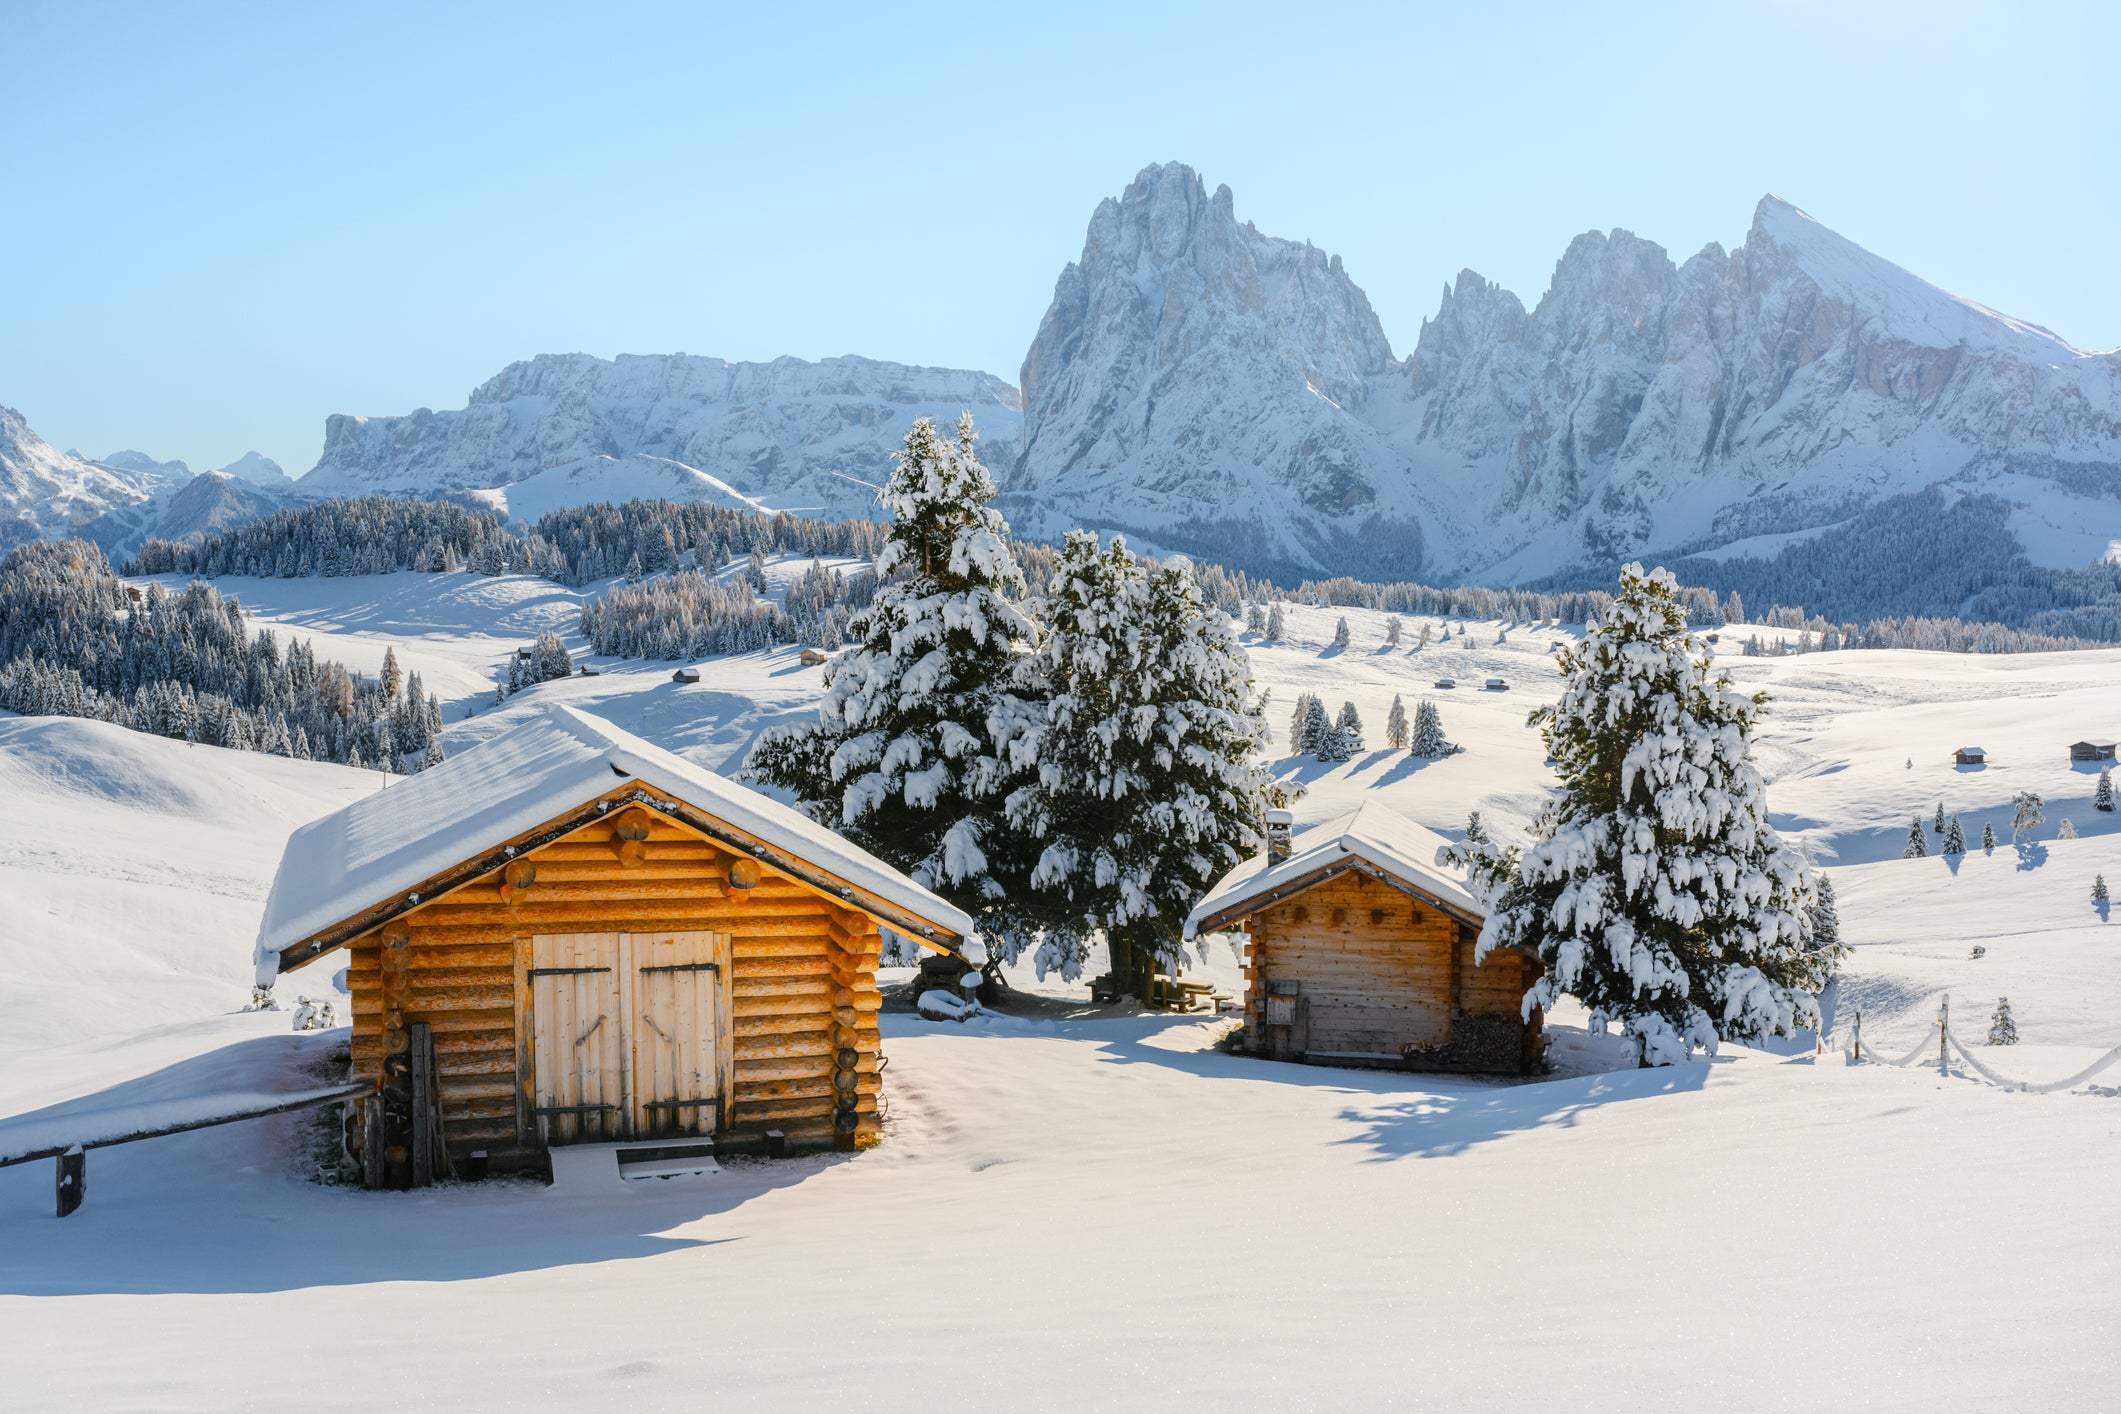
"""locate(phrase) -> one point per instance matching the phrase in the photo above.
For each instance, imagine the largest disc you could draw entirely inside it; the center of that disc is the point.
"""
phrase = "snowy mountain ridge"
(789, 434)
(1641, 407)
(44, 491)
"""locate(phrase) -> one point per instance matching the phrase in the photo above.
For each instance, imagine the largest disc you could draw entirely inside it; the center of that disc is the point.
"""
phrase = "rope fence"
(1940, 1041)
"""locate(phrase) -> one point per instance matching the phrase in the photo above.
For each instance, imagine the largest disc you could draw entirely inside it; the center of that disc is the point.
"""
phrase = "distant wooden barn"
(2091, 751)
(566, 935)
(1970, 756)
(815, 657)
(1360, 951)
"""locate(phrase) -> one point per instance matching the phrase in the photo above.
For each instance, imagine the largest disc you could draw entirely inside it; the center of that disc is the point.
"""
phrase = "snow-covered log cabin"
(594, 940)
(1360, 949)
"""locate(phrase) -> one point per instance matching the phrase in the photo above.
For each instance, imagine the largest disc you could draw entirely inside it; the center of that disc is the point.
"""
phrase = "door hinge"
(563, 971)
(685, 967)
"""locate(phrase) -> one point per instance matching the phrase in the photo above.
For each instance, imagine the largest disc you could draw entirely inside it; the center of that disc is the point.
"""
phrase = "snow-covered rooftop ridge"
(559, 760)
(1373, 832)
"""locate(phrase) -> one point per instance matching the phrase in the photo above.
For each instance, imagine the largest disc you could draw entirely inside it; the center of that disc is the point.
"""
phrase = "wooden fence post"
(1944, 1032)
(423, 1165)
(71, 1183)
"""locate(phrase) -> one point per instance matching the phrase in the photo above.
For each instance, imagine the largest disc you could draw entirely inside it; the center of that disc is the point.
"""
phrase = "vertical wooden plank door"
(629, 1034)
(580, 1047)
(679, 983)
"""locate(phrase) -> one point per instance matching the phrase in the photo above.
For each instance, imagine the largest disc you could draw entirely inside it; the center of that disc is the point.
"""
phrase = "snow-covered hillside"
(1114, 1188)
(792, 435)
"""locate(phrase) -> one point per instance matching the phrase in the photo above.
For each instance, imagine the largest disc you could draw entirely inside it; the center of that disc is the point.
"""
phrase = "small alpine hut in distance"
(567, 935)
(1360, 952)
(1970, 756)
(2091, 751)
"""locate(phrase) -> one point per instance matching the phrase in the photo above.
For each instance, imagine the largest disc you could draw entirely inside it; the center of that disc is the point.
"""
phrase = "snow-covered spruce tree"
(2099, 893)
(1954, 839)
(392, 676)
(2103, 794)
(1393, 629)
(1988, 838)
(1396, 725)
(899, 759)
(1349, 725)
(1276, 629)
(2002, 1028)
(1298, 716)
(1938, 824)
(2067, 830)
(1428, 739)
(1655, 890)
(1314, 735)
(2025, 813)
(1918, 846)
(1255, 619)
(1340, 632)
(1334, 744)
(1132, 731)
(1824, 915)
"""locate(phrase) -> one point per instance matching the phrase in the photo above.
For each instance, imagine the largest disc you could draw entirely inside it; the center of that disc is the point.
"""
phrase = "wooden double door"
(630, 1034)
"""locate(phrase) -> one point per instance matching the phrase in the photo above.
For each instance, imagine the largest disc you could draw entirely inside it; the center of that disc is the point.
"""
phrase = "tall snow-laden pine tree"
(1276, 629)
(2025, 813)
(1393, 629)
(899, 759)
(1918, 846)
(2103, 793)
(1349, 725)
(1340, 632)
(1954, 839)
(1655, 889)
(1396, 725)
(393, 677)
(1988, 837)
(1133, 729)
(1938, 823)
(1428, 739)
(2099, 893)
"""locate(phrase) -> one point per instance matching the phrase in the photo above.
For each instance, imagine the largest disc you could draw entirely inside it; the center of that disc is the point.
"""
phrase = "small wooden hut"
(1360, 949)
(2091, 751)
(567, 935)
(1970, 756)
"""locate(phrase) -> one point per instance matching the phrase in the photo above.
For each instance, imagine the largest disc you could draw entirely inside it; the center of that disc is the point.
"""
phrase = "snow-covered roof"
(1374, 833)
(561, 760)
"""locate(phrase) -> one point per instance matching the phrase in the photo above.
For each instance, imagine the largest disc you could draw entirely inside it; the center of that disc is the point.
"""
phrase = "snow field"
(1097, 1210)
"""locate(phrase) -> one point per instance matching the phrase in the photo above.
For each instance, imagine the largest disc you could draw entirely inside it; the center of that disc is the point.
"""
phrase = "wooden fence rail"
(69, 1186)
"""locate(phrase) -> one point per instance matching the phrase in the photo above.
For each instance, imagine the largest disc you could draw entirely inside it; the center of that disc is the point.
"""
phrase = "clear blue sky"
(226, 222)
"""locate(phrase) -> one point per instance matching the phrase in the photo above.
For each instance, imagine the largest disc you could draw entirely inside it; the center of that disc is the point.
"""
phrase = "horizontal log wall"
(1375, 967)
(803, 998)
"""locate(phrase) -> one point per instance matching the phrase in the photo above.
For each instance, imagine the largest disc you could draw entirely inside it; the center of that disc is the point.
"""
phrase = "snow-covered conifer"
(1917, 842)
(1396, 725)
(1426, 634)
(1393, 628)
(1428, 738)
(1938, 824)
(2099, 894)
(899, 758)
(393, 677)
(1824, 915)
(1276, 629)
(2103, 793)
(1954, 839)
(1255, 619)
(1132, 731)
(2002, 1028)
(2025, 813)
(2067, 830)
(1349, 725)
(1313, 733)
(1655, 890)
(1988, 837)
(1340, 632)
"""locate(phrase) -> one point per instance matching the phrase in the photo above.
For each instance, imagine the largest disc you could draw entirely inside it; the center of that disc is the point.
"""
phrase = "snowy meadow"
(1090, 1207)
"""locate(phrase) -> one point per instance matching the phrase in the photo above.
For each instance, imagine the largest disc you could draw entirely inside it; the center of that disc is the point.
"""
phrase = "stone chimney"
(1278, 827)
